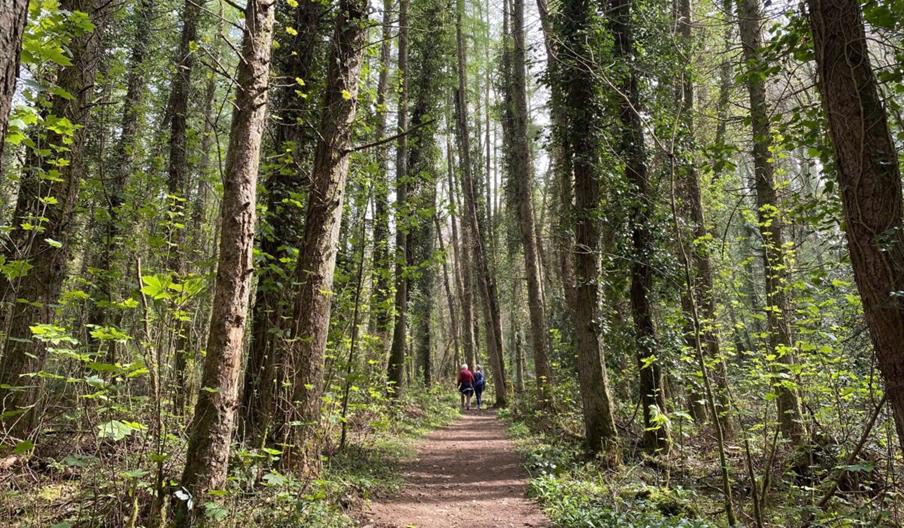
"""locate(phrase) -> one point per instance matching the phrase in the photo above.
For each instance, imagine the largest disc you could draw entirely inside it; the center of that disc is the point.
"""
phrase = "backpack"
(478, 379)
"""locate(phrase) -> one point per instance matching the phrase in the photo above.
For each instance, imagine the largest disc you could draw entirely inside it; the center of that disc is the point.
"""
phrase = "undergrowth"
(578, 493)
(75, 491)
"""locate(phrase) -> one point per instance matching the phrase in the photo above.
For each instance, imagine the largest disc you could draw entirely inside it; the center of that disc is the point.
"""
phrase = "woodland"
(245, 246)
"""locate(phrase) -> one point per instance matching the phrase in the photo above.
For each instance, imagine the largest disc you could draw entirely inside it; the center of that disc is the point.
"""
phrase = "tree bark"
(214, 417)
(521, 178)
(13, 16)
(263, 392)
(582, 148)
(46, 251)
(462, 268)
(323, 216)
(869, 181)
(778, 310)
(484, 281)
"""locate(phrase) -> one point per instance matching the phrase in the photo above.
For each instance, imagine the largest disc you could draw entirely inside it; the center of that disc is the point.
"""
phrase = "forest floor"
(465, 475)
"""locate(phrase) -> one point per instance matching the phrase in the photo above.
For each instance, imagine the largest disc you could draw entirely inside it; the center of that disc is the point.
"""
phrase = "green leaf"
(117, 430)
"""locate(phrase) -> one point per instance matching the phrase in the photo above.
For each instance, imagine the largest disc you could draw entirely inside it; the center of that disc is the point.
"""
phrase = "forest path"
(466, 475)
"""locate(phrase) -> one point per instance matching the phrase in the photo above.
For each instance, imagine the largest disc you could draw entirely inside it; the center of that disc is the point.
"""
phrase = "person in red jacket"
(465, 386)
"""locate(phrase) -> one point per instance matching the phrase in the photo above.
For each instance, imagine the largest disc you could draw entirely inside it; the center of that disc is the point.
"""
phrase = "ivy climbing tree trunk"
(633, 151)
(323, 216)
(778, 309)
(13, 16)
(212, 426)
(49, 203)
(869, 181)
(399, 346)
(582, 148)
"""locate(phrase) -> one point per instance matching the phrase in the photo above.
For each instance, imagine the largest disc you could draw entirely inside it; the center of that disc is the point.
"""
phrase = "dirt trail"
(466, 475)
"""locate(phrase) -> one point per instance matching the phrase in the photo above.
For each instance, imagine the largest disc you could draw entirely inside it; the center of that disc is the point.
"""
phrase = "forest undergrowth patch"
(75, 490)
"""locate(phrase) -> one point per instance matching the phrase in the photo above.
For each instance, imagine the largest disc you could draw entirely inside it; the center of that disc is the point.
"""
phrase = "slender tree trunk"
(582, 148)
(381, 316)
(46, 251)
(462, 268)
(323, 216)
(13, 15)
(869, 181)
(521, 178)
(399, 346)
(702, 288)
(214, 417)
(481, 261)
(109, 260)
(778, 310)
(455, 329)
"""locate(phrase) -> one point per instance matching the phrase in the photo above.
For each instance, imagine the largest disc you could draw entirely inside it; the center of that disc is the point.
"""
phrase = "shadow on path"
(466, 475)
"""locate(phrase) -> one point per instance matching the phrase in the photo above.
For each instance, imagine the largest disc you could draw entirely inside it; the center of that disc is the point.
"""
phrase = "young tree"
(323, 216)
(206, 461)
(778, 310)
(869, 181)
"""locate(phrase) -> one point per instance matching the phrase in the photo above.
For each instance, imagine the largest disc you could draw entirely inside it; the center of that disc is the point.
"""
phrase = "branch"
(388, 139)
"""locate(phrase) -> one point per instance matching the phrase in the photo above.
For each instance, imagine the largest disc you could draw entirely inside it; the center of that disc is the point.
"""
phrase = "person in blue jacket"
(480, 382)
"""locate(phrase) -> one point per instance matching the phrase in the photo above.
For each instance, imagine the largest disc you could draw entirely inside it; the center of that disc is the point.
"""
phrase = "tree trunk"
(633, 151)
(484, 280)
(263, 391)
(453, 313)
(323, 216)
(521, 178)
(109, 259)
(869, 181)
(778, 310)
(381, 316)
(46, 251)
(399, 347)
(582, 148)
(13, 15)
(702, 287)
(462, 268)
(212, 427)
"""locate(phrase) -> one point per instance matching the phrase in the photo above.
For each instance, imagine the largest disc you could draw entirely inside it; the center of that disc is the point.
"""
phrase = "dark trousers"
(478, 391)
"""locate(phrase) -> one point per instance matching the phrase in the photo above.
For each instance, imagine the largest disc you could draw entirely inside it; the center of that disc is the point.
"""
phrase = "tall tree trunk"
(521, 178)
(399, 347)
(462, 268)
(263, 383)
(702, 287)
(323, 216)
(13, 15)
(778, 310)
(582, 148)
(46, 251)
(481, 261)
(450, 299)
(381, 316)
(633, 150)
(207, 459)
(869, 181)
(560, 164)
(108, 259)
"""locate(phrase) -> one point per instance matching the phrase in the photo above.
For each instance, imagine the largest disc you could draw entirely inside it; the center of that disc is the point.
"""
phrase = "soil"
(466, 475)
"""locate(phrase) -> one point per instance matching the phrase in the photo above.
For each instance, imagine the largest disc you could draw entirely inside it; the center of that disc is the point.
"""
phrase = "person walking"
(480, 382)
(465, 386)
